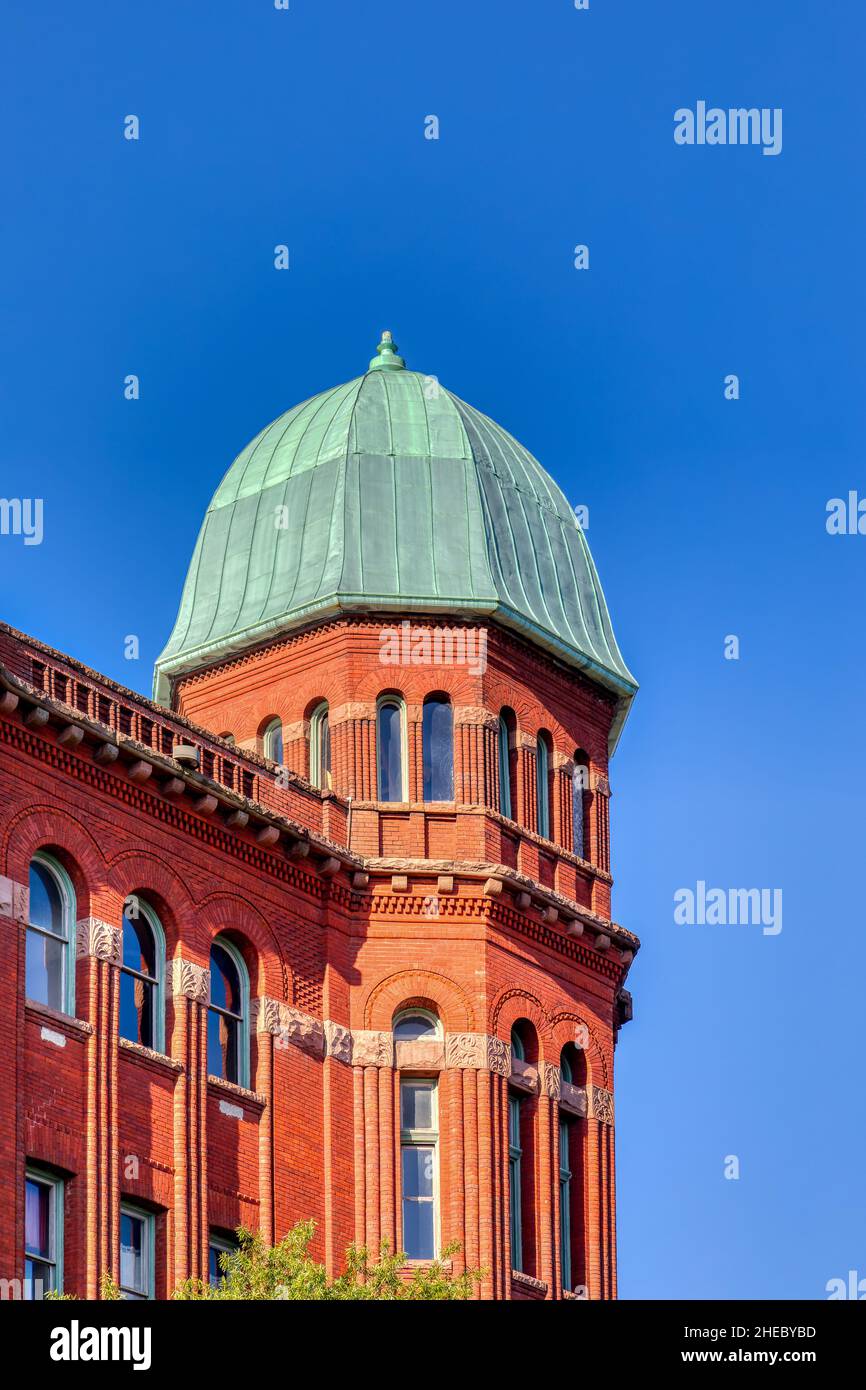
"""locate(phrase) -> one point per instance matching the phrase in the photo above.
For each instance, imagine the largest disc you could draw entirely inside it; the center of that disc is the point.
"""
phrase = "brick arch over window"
(407, 987)
(226, 914)
(513, 1004)
(140, 871)
(565, 1028)
(55, 830)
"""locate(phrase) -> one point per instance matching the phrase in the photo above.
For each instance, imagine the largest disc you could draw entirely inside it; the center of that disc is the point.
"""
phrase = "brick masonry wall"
(316, 1135)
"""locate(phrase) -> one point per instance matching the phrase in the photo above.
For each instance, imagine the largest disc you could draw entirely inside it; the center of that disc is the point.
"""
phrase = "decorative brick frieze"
(100, 939)
(14, 900)
(372, 1049)
(551, 1080)
(188, 980)
(600, 1105)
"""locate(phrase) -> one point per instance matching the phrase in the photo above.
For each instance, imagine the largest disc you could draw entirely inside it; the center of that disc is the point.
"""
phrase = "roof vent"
(186, 753)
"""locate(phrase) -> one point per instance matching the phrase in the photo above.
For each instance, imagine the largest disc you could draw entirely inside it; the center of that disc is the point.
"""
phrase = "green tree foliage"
(287, 1271)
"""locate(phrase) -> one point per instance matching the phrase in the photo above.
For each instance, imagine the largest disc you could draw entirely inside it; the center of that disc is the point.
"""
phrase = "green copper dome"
(390, 494)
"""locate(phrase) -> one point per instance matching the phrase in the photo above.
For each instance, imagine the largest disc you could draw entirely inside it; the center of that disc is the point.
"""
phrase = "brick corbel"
(188, 980)
(100, 939)
(14, 900)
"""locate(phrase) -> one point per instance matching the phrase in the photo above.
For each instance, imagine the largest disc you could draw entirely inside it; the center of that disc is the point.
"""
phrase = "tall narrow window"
(437, 738)
(50, 953)
(515, 1155)
(228, 1012)
(220, 1245)
(43, 1234)
(564, 1203)
(542, 766)
(515, 1158)
(565, 1187)
(136, 1253)
(579, 786)
(320, 747)
(272, 741)
(389, 751)
(504, 769)
(141, 976)
(419, 1143)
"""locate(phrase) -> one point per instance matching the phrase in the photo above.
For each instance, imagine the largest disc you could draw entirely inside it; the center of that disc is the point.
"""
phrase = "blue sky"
(707, 516)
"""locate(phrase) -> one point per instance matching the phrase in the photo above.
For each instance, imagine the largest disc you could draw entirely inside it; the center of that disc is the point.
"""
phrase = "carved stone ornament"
(551, 1080)
(338, 1043)
(265, 1015)
(190, 981)
(14, 899)
(372, 1049)
(600, 1105)
(476, 714)
(499, 1056)
(467, 1050)
(99, 939)
(300, 1030)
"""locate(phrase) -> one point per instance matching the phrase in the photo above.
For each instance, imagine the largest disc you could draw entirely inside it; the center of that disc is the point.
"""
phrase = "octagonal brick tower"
(391, 598)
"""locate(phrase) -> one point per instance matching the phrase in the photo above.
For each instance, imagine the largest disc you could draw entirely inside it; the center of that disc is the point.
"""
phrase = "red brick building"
(325, 929)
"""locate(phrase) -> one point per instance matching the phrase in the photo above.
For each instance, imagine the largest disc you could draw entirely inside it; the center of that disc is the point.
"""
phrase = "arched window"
(515, 1161)
(506, 802)
(416, 1025)
(437, 740)
(320, 747)
(389, 750)
(229, 738)
(142, 974)
(228, 1054)
(50, 952)
(579, 788)
(419, 1142)
(542, 770)
(272, 741)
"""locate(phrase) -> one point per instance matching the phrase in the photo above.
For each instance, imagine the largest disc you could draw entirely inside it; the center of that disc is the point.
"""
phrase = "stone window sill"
(72, 1027)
